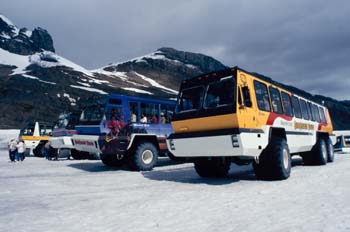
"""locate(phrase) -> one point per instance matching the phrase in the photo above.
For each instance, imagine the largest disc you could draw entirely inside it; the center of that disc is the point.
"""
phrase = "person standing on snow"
(21, 147)
(12, 149)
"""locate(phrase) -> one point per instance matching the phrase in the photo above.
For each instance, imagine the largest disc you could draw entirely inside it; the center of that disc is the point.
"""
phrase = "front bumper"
(62, 142)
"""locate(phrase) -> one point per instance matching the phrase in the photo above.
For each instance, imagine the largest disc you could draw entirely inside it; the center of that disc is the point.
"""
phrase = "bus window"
(304, 110)
(323, 116)
(134, 112)
(113, 111)
(316, 113)
(246, 96)
(262, 96)
(149, 113)
(93, 113)
(166, 113)
(115, 101)
(191, 99)
(296, 107)
(309, 108)
(287, 105)
(220, 93)
(275, 100)
(347, 140)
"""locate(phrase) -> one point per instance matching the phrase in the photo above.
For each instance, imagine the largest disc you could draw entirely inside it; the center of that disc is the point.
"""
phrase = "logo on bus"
(82, 142)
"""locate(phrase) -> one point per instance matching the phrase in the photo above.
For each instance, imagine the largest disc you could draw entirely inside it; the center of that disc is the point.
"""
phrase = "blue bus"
(126, 129)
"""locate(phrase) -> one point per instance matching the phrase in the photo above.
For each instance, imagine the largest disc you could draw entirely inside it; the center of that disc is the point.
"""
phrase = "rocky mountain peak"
(202, 62)
(23, 41)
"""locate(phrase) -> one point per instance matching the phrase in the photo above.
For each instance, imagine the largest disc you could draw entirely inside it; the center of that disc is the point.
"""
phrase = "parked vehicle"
(63, 131)
(236, 116)
(343, 142)
(35, 135)
(126, 129)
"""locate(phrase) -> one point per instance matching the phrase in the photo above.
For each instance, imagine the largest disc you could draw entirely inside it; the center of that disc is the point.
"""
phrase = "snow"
(191, 66)
(5, 36)
(38, 79)
(28, 33)
(89, 89)
(5, 136)
(72, 100)
(85, 84)
(138, 90)
(15, 30)
(85, 195)
(121, 75)
(23, 61)
(341, 132)
(58, 95)
(9, 58)
(155, 84)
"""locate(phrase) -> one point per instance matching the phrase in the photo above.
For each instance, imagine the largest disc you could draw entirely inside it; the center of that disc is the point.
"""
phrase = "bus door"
(248, 113)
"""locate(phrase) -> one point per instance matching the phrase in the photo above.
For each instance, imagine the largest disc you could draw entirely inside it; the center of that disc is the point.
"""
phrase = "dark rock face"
(23, 41)
(42, 40)
(169, 66)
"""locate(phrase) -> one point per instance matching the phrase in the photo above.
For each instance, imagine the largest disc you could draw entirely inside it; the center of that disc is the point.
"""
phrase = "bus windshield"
(67, 120)
(93, 113)
(214, 95)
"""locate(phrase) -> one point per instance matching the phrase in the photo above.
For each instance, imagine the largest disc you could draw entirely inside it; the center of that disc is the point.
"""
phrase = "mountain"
(38, 84)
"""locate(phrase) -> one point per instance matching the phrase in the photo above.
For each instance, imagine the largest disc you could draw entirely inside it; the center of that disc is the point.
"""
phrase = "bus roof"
(134, 98)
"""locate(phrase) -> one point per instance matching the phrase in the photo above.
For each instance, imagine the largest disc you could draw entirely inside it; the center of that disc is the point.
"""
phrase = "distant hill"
(38, 84)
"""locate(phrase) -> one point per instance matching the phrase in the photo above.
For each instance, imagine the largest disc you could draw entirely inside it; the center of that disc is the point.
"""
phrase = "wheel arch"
(137, 139)
(277, 132)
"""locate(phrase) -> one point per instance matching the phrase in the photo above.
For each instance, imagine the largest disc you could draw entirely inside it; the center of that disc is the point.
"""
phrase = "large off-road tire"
(330, 151)
(112, 161)
(144, 157)
(216, 167)
(274, 162)
(318, 155)
(39, 150)
(79, 155)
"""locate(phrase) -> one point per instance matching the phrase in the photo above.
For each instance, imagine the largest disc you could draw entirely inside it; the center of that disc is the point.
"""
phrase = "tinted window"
(134, 111)
(309, 106)
(287, 105)
(220, 93)
(316, 113)
(276, 100)
(93, 113)
(150, 111)
(262, 96)
(323, 116)
(296, 107)
(191, 99)
(347, 140)
(115, 101)
(304, 109)
(166, 113)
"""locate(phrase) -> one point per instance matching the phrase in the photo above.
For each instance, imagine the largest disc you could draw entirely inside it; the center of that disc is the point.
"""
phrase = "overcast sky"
(299, 42)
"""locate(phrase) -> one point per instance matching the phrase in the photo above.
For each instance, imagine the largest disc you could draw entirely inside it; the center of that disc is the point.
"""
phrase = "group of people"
(116, 125)
(154, 119)
(16, 150)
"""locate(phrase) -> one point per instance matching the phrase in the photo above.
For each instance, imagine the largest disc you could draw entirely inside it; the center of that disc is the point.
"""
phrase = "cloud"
(303, 43)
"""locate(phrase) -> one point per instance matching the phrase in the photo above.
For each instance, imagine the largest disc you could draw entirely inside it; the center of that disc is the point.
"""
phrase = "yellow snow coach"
(236, 116)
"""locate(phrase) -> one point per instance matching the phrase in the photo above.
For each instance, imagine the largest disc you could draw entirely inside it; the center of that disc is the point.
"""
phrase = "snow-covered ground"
(6, 135)
(69, 195)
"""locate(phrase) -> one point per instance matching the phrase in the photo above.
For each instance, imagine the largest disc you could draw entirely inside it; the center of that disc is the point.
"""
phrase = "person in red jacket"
(113, 125)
